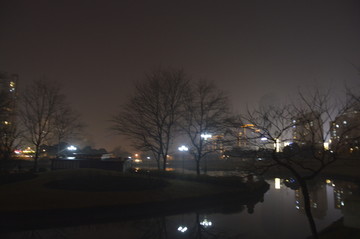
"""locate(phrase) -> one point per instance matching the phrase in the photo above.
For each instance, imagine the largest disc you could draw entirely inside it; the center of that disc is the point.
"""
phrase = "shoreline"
(149, 206)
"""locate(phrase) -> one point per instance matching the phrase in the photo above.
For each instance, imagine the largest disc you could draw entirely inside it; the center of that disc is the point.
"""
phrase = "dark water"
(278, 214)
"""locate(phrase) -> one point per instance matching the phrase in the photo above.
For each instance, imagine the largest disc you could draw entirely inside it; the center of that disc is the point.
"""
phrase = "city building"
(8, 83)
(345, 132)
(308, 130)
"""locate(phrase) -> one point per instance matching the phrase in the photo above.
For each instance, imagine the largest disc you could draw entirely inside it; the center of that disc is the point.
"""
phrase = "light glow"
(206, 223)
(71, 148)
(182, 229)
(206, 136)
(183, 148)
(277, 183)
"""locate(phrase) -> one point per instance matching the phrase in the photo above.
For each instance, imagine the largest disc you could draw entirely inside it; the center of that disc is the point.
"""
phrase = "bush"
(223, 180)
(103, 183)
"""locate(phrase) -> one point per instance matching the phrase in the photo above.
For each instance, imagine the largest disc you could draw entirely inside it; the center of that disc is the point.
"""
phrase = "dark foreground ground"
(76, 197)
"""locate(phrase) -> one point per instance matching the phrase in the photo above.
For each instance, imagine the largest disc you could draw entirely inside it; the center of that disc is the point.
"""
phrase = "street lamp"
(205, 137)
(182, 229)
(206, 223)
(183, 149)
(71, 148)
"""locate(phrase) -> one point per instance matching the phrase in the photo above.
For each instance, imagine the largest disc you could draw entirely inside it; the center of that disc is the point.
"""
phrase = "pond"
(279, 214)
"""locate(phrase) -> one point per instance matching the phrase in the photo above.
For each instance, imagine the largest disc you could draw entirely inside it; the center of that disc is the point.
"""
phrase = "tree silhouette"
(306, 123)
(150, 117)
(41, 102)
(206, 110)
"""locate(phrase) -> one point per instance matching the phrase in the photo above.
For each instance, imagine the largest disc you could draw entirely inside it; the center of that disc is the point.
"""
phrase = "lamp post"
(183, 149)
(205, 137)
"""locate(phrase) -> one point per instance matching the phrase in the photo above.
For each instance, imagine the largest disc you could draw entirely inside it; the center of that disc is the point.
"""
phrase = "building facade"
(345, 132)
(308, 130)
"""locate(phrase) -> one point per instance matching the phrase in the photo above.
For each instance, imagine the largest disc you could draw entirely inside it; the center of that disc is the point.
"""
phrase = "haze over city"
(253, 50)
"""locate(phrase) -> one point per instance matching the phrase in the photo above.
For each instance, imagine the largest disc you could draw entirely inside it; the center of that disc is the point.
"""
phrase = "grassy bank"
(89, 187)
(70, 197)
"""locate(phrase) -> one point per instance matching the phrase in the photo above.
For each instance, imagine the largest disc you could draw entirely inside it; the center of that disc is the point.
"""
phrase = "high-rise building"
(8, 83)
(345, 132)
(308, 130)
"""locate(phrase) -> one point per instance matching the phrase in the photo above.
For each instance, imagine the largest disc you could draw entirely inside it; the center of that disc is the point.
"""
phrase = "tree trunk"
(198, 167)
(158, 163)
(307, 207)
(164, 163)
(36, 160)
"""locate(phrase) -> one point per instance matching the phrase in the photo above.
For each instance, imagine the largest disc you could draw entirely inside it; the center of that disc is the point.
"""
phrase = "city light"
(206, 223)
(277, 183)
(182, 229)
(183, 148)
(71, 148)
(206, 136)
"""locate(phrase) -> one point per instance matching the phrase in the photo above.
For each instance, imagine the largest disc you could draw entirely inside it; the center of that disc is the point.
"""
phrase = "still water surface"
(279, 214)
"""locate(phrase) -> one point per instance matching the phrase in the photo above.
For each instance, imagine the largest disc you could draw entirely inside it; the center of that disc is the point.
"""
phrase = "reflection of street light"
(183, 148)
(277, 183)
(206, 223)
(182, 229)
(205, 137)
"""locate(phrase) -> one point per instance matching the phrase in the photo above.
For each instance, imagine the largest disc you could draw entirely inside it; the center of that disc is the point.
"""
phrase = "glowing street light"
(206, 223)
(183, 148)
(182, 229)
(206, 136)
(71, 148)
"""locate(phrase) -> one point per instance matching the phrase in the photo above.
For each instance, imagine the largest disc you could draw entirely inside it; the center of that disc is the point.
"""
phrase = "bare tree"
(41, 101)
(206, 110)
(306, 124)
(67, 124)
(149, 118)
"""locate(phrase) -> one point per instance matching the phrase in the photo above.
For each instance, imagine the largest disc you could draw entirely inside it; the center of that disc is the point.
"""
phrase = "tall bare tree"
(306, 124)
(149, 118)
(206, 110)
(41, 101)
(67, 124)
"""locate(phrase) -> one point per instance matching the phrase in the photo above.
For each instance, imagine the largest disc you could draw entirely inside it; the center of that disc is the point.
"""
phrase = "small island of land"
(74, 197)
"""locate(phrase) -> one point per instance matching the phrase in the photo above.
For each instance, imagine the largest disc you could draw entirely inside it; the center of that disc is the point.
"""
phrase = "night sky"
(253, 49)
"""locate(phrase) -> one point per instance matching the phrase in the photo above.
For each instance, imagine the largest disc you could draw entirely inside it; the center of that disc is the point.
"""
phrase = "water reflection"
(276, 214)
(319, 194)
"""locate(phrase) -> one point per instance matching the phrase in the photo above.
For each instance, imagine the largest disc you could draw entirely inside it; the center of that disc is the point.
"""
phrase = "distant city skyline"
(256, 51)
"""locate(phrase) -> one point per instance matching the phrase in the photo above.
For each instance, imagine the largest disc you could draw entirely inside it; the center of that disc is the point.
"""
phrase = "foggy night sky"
(97, 49)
